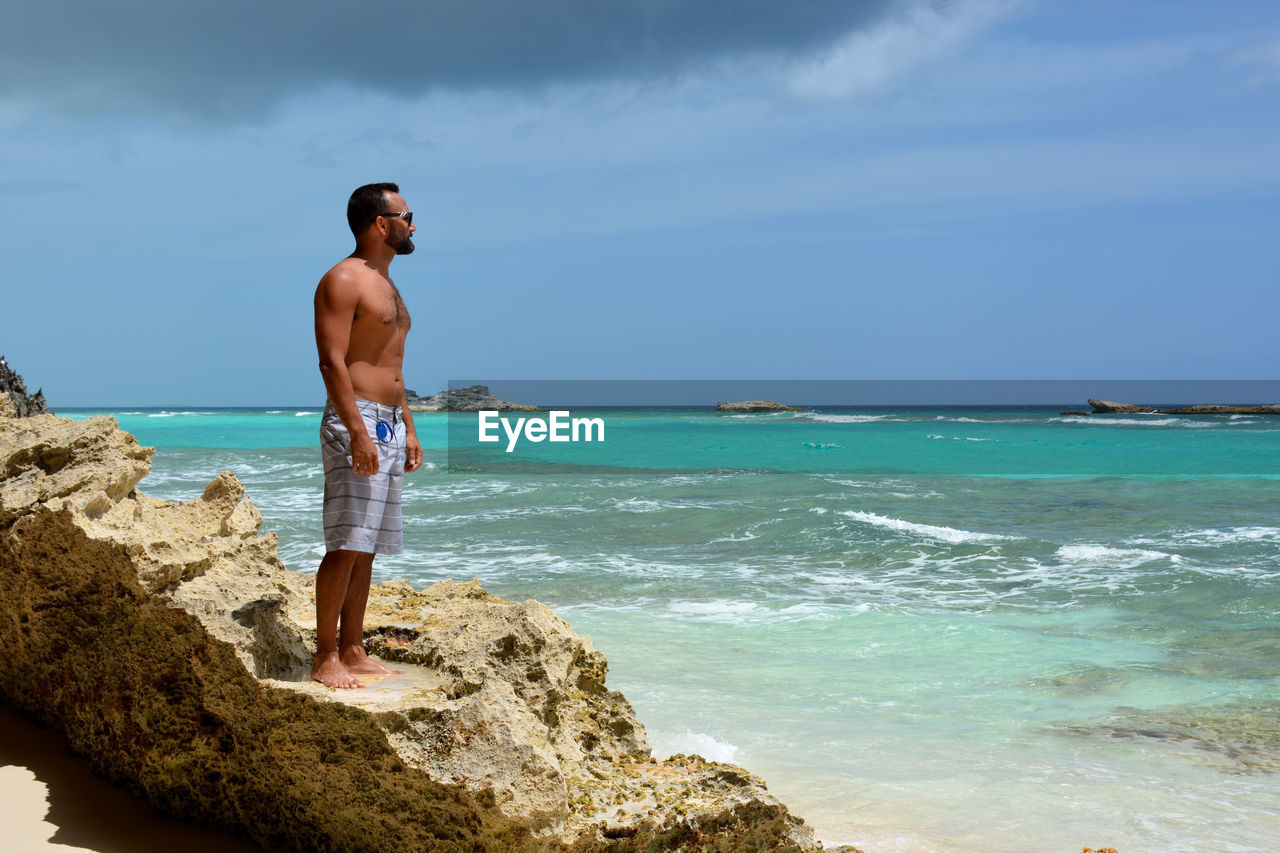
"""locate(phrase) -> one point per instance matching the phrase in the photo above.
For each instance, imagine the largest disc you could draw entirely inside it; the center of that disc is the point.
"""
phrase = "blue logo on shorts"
(385, 433)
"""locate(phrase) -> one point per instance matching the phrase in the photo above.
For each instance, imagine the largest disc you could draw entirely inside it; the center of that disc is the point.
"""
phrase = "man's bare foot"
(356, 660)
(328, 670)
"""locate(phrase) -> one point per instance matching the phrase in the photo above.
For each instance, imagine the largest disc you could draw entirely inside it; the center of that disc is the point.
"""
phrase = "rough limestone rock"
(475, 398)
(751, 406)
(15, 402)
(171, 646)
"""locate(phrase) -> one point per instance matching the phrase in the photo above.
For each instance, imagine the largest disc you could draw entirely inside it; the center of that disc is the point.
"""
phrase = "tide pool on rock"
(928, 629)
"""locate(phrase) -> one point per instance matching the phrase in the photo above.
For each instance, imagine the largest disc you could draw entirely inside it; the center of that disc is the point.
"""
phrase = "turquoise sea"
(928, 629)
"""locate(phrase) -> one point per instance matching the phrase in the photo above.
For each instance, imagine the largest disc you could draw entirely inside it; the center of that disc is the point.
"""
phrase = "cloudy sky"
(642, 189)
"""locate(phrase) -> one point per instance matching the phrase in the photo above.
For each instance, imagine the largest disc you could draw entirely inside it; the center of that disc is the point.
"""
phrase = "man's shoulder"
(347, 274)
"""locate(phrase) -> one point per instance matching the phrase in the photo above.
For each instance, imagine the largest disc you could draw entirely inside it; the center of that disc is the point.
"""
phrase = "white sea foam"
(444, 491)
(506, 512)
(720, 610)
(1107, 421)
(645, 505)
(1231, 536)
(305, 414)
(823, 418)
(960, 419)
(1105, 554)
(747, 535)
(944, 534)
(692, 742)
(823, 446)
(853, 484)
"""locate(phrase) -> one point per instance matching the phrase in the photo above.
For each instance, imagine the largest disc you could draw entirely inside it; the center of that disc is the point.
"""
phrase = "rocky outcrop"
(475, 398)
(15, 402)
(1215, 409)
(171, 646)
(751, 406)
(1108, 407)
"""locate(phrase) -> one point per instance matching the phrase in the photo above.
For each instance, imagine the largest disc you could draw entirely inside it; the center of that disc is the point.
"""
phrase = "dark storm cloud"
(232, 56)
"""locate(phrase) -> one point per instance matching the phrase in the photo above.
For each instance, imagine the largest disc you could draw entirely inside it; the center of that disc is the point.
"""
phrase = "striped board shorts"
(363, 513)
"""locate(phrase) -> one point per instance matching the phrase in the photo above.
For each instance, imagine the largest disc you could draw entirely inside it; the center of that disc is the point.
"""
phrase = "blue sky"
(644, 189)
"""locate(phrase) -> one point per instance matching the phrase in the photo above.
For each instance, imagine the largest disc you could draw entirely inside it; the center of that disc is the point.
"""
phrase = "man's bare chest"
(383, 308)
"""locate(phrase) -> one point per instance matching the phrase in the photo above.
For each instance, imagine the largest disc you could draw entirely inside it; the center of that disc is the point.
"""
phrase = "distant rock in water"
(751, 406)
(171, 647)
(1108, 407)
(15, 402)
(1215, 409)
(476, 398)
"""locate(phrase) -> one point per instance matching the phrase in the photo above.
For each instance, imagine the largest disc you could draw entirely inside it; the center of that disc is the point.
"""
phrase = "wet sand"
(50, 800)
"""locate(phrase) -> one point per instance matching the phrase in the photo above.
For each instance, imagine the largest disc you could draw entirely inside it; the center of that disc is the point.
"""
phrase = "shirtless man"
(366, 436)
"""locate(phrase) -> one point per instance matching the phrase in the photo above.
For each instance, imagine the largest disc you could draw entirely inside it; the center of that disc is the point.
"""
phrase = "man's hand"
(413, 453)
(364, 456)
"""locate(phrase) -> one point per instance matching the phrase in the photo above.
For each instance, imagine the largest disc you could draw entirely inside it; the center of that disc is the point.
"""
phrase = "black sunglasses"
(406, 215)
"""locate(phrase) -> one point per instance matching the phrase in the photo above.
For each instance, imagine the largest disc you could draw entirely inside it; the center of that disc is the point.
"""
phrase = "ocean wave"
(959, 437)
(1107, 421)
(961, 419)
(646, 505)
(1088, 553)
(442, 491)
(944, 534)
(305, 414)
(824, 418)
(853, 484)
(691, 742)
(503, 513)
(720, 610)
(746, 536)
(823, 446)
(1230, 536)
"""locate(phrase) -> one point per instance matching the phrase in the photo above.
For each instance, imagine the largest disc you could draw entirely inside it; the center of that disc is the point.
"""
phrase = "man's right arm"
(337, 296)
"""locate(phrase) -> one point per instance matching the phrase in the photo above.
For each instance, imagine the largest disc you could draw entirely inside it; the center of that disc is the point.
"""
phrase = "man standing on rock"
(367, 437)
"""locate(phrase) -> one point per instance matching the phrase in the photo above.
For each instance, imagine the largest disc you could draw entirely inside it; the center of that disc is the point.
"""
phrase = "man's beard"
(402, 246)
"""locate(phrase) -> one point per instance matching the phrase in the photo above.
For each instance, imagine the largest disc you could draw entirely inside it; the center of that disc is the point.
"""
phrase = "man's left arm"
(413, 450)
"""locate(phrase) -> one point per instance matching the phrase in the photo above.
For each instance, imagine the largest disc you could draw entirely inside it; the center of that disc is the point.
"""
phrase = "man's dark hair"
(367, 203)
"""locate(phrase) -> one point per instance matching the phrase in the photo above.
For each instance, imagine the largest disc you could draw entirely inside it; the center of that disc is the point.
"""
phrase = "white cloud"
(874, 59)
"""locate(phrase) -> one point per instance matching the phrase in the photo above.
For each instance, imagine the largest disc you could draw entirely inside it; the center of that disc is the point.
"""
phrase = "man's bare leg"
(351, 644)
(332, 580)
